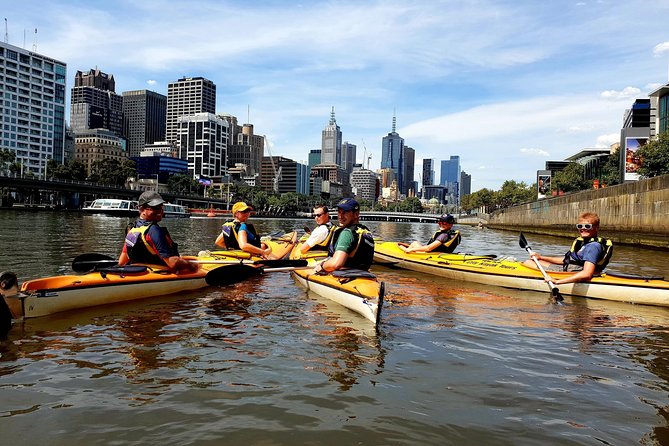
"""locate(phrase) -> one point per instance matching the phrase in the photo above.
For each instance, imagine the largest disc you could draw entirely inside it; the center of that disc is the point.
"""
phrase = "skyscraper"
(409, 158)
(428, 172)
(392, 153)
(450, 176)
(331, 142)
(32, 107)
(144, 113)
(95, 104)
(203, 141)
(348, 154)
(188, 96)
(465, 184)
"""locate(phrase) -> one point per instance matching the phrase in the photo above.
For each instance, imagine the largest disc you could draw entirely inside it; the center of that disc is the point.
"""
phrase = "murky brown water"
(263, 362)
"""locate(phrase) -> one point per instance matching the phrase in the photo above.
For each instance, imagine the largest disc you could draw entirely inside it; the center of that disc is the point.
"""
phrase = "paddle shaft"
(554, 289)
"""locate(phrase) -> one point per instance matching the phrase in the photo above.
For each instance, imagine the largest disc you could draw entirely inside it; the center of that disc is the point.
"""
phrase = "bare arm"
(585, 274)
(423, 248)
(335, 262)
(244, 245)
(220, 241)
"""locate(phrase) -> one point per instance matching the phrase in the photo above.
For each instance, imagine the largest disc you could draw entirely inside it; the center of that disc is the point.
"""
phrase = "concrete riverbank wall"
(634, 213)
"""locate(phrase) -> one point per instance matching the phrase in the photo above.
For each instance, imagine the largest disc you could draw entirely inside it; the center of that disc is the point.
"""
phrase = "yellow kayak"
(361, 292)
(513, 274)
(281, 248)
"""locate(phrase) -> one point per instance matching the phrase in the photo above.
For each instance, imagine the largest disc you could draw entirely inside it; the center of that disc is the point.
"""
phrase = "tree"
(71, 170)
(181, 183)
(112, 171)
(610, 170)
(7, 160)
(411, 204)
(654, 157)
(513, 193)
(571, 179)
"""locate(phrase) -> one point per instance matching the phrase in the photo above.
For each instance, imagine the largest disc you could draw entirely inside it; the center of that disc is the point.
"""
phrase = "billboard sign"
(632, 159)
(543, 183)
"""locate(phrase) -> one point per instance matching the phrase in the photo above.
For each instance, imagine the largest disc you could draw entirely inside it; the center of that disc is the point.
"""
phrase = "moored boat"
(112, 206)
(362, 294)
(510, 273)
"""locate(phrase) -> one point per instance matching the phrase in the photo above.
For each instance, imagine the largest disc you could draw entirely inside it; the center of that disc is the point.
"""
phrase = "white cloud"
(535, 152)
(626, 93)
(151, 82)
(661, 48)
(607, 140)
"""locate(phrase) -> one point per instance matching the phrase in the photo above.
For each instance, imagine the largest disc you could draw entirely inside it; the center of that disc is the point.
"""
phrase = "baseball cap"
(150, 198)
(240, 206)
(448, 218)
(348, 204)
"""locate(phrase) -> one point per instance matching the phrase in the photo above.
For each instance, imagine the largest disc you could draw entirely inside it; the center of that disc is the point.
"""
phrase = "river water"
(265, 363)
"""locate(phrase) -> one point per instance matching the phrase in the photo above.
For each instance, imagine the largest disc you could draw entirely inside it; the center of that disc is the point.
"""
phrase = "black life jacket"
(362, 255)
(231, 235)
(579, 242)
(325, 244)
(140, 250)
(454, 239)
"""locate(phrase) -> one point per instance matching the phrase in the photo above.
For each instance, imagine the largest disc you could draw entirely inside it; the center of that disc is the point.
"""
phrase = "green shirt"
(346, 241)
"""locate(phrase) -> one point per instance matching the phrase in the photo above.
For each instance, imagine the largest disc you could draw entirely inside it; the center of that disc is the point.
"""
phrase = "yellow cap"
(240, 206)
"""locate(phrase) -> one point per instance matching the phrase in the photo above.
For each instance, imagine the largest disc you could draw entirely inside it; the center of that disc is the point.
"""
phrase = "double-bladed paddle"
(555, 292)
(238, 272)
(91, 261)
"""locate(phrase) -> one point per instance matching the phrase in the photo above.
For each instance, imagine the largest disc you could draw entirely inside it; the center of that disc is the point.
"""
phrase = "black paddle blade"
(231, 274)
(523, 241)
(90, 261)
(282, 263)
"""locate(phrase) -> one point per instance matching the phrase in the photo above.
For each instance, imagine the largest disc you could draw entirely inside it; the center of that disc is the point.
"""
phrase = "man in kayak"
(147, 242)
(319, 239)
(238, 234)
(444, 240)
(351, 245)
(588, 254)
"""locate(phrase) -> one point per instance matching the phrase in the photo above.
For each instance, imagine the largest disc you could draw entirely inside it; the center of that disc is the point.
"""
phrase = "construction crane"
(365, 156)
(277, 173)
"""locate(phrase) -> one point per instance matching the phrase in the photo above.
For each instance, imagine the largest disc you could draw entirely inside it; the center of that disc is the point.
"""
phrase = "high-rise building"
(314, 158)
(331, 142)
(465, 184)
(144, 113)
(365, 184)
(95, 104)
(245, 147)
(32, 107)
(428, 175)
(392, 153)
(450, 177)
(203, 141)
(187, 96)
(409, 158)
(659, 105)
(348, 154)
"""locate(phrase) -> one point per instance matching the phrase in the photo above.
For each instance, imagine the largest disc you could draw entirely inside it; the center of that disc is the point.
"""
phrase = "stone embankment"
(635, 213)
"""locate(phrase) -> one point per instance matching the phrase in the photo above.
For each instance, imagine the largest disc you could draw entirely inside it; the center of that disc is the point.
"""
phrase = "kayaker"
(444, 240)
(147, 242)
(319, 239)
(589, 253)
(351, 245)
(238, 234)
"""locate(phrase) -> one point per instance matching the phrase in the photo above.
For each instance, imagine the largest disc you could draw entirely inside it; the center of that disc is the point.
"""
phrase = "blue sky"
(506, 85)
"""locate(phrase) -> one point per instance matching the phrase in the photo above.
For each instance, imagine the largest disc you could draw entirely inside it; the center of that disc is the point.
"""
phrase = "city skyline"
(525, 88)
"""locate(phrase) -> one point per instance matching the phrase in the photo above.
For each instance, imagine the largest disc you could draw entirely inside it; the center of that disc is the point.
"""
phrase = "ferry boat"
(129, 208)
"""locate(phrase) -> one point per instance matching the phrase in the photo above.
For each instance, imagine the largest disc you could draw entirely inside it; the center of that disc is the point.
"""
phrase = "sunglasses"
(586, 226)
(156, 208)
(318, 215)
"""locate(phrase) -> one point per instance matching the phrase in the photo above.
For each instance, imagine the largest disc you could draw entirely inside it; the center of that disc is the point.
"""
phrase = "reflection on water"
(266, 362)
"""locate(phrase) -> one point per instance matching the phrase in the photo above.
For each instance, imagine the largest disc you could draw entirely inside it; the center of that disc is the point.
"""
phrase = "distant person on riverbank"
(238, 234)
(319, 239)
(589, 253)
(444, 240)
(351, 245)
(147, 242)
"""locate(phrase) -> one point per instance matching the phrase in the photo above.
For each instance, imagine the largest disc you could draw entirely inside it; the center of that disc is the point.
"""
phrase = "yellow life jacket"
(363, 254)
(579, 242)
(231, 235)
(140, 249)
(454, 239)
